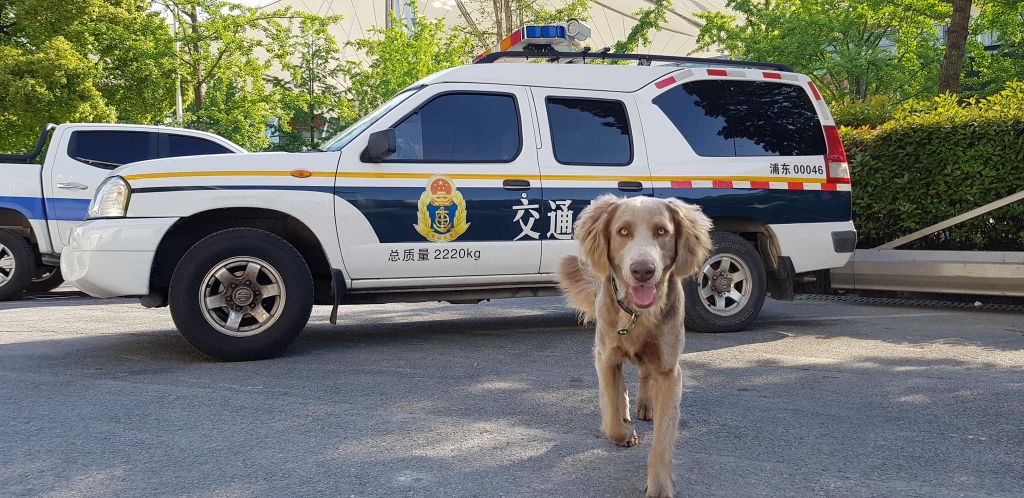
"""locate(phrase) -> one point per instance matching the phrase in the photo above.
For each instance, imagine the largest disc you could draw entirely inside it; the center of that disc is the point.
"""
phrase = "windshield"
(342, 139)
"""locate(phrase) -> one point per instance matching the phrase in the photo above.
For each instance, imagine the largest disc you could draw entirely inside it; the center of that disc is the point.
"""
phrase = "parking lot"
(820, 397)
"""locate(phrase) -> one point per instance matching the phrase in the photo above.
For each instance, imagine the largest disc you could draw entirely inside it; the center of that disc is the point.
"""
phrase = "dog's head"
(642, 242)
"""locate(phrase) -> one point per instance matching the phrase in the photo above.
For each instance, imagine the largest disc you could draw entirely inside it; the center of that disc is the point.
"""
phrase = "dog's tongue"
(642, 295)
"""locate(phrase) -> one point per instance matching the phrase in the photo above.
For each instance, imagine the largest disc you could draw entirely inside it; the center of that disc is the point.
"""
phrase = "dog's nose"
(642, 271)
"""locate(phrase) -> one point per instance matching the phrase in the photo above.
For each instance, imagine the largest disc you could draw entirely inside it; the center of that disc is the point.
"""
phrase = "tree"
(128, 49)
(956, 46)
(221, 68)
(399, 58)
(51, 84)
(1002, 60)
(650, 19)
(855, 48)
(313, 105)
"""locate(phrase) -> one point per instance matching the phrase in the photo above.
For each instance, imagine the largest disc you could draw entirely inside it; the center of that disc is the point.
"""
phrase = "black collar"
(629, 311)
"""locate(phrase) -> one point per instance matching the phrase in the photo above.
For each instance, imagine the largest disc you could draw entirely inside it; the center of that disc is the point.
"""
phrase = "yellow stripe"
(474, 176)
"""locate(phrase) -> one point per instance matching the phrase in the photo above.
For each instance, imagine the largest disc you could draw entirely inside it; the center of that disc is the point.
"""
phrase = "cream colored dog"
(635, 254)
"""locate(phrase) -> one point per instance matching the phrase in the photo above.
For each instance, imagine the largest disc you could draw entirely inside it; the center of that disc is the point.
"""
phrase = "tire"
(217, 273)
(17, 265)
(47, 278)
(717, 303)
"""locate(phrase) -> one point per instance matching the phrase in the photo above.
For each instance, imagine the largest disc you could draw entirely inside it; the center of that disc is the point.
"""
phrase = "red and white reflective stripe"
(760, 185)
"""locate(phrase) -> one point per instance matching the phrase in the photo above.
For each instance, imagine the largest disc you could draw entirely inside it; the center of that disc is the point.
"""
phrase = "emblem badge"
(442, 211)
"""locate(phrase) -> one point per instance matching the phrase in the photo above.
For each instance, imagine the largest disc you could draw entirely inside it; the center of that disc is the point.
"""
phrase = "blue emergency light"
(554, 31)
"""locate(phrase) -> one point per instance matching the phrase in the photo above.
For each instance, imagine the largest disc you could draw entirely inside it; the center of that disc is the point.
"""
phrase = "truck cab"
(41, 201)
(466, 185)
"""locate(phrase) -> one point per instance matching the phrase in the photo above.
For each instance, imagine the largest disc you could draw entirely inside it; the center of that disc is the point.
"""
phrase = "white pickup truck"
(39, 204)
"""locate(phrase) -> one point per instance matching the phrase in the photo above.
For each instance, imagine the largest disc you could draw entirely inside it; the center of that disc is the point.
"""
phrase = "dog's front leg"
(667, 388)
(644, 410)
(614, 405)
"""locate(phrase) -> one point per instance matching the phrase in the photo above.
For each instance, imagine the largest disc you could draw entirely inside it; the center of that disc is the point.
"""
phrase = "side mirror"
(381, 145)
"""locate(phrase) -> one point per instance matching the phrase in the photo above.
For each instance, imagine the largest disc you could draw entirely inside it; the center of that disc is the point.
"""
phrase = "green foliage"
(989, 71)
(649, 19)
(399, 59)
(53, 83)
(116, 53)
(937, 159)
(855, 48)
(312, 104)
(872, 111)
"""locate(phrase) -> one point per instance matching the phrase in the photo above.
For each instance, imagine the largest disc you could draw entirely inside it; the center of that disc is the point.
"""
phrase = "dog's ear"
(693, 237)
(592, 233)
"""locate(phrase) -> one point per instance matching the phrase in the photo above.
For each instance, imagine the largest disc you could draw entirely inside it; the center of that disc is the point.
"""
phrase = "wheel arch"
(193, 228)
(779, 270)
(17, 222)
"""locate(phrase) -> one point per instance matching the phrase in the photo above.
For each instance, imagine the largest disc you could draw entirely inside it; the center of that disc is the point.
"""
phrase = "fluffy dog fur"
(642, 243)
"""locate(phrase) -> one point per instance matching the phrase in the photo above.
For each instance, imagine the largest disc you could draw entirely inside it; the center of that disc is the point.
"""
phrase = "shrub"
(937, 159)
(873, 111)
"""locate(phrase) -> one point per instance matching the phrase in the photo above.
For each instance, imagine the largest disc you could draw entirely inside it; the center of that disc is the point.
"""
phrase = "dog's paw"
(659, 488)
(644, 411)
(622, 434)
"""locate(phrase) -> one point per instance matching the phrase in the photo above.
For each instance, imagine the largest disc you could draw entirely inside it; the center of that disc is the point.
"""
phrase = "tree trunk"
(956, 45)
(199, 87)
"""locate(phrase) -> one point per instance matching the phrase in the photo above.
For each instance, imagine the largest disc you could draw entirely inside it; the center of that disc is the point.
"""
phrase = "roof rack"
(642, 59)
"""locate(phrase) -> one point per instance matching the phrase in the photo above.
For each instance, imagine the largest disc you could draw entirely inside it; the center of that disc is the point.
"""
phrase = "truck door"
(455, 199)
(85, 156)
(591, 145)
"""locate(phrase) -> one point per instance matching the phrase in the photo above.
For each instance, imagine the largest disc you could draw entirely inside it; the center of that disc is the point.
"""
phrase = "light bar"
(556, 36)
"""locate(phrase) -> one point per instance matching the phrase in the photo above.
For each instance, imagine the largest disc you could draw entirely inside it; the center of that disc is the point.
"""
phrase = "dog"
(628, 280)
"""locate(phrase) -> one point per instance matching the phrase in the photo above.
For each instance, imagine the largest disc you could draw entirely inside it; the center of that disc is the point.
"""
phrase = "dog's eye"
(623, 231)
(662, 231)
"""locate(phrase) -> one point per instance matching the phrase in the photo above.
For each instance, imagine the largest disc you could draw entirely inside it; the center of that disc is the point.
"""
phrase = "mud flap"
(338, 289)
(780, 280)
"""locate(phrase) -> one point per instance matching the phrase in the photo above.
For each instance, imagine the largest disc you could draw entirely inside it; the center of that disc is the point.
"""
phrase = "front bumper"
(113, 257)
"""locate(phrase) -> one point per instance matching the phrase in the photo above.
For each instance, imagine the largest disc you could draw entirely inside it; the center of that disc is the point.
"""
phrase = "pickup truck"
(39, 204)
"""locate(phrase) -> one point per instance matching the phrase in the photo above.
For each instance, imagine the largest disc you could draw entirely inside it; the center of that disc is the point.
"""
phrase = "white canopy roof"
(610, 20)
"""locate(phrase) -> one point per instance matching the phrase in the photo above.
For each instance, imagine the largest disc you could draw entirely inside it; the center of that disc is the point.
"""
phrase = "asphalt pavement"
(818, 398)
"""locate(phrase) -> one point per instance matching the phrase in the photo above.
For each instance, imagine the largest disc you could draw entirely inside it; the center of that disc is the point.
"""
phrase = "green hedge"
(935, 160)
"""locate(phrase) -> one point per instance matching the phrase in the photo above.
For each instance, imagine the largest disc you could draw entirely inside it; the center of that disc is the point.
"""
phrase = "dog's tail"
(579, 285)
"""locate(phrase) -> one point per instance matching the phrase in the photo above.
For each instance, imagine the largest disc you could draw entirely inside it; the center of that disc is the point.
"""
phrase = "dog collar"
(629, 311)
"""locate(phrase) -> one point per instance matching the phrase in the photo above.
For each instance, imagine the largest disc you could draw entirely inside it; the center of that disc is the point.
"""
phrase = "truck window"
(461, 127)
(186, 145)
(107, 149)
(744, 118)
(589, 131)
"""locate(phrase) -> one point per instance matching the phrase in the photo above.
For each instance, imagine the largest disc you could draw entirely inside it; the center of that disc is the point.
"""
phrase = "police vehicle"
(465, 186)
(40, 203)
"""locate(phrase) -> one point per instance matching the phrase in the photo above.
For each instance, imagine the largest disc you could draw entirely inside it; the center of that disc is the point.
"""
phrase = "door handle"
(631, 186)
(516, 184)
(72, 186)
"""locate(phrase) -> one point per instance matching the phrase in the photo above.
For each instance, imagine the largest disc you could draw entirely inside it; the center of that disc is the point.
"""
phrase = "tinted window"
(110, 149)
(184, 145)
(459, 127)
(744, 118)
(585, 131)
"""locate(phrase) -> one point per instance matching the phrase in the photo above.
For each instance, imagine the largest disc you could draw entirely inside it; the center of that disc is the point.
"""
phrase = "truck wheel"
(17, 265)
(241, 294)
(730, 289)
(47, 278)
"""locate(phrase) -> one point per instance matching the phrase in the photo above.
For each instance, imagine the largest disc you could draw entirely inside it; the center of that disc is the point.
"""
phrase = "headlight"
(111, 200)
